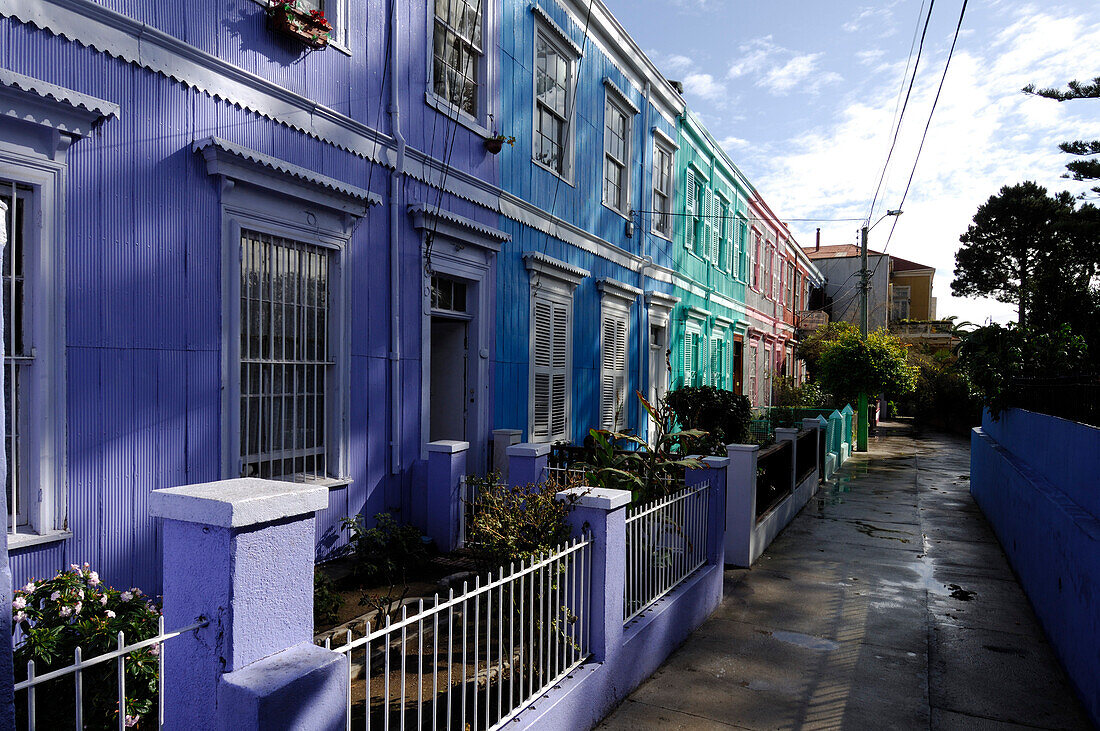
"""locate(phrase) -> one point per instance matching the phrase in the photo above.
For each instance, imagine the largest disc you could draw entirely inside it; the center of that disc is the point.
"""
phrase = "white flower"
(154, 650)
(93, 578)
(137, 591)
(74, 567)
(29, 587)
(132, 720)
(66, 611)
(19, 617)
(79, 593)
(55, 596)
(103, 600)
(18, 603)
(125, 596)
(77, 607)
(110, 614)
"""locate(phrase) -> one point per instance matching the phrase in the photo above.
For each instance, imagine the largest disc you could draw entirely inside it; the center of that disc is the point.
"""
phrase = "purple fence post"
(446, 472)
(240, 554)
(740, 502)
(602, 514)
(715, 473)
(817, 424)
(527, 463)
(785, 434)
(7, 669)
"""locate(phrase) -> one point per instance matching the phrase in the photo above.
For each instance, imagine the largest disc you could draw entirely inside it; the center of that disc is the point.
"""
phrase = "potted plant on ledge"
(496, 143)
(309, 26)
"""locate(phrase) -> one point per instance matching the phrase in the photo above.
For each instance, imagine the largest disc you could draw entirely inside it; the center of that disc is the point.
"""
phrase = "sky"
(803, 96)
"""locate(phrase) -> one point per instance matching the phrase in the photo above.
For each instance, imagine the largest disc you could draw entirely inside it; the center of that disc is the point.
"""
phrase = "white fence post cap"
(237, 503)
(731, 448)
(602, 498)
(528, 449)
(448, 446)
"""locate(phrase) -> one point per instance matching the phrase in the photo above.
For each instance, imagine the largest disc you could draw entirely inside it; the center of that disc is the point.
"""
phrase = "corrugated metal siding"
(143, 260)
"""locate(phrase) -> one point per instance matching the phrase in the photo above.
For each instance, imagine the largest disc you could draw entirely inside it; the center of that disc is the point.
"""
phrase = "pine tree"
(1082, 169)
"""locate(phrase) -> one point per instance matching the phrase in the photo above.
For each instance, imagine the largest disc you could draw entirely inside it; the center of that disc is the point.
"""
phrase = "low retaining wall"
(1034, 477)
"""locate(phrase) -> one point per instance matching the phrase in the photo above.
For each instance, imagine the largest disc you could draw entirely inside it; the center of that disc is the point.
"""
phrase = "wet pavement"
(886, 604)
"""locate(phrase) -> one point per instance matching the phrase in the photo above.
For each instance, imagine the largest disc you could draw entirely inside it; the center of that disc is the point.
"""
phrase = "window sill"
(661, 235)
(18, 541)
(624, 216)
(332, 483)
(444, 107)
(331, 44)
(553, 172)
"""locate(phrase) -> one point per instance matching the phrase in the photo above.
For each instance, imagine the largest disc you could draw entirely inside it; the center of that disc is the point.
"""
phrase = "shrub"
(808, 395)
(723, 415)
(388, 554)
(514, 523)
(326, 601)
(75, 609)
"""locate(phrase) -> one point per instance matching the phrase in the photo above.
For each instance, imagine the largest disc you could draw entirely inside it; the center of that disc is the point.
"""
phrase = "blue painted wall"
(1032, 475)
(577, 202)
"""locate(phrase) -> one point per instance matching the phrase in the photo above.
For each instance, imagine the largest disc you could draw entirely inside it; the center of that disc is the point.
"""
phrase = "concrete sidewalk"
(887, 604)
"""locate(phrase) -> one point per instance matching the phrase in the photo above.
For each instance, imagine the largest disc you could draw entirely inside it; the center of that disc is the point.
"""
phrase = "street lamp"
(864, 286)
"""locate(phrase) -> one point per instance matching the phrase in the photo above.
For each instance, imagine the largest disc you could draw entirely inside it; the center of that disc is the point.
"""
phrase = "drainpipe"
(395, 238)
(647, 260)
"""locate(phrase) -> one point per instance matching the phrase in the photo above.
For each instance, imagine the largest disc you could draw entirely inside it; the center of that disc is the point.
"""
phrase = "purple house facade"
(233, 255)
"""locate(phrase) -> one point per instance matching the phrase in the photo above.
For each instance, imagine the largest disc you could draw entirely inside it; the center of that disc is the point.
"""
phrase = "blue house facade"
(587, 189)
(228, 254)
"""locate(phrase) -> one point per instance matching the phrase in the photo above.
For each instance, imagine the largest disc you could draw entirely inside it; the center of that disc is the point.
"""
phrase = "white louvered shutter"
(559, 385)
(607, 373)
(543, 370)
(689, 366)
(715, 228)
(689, 194)
(619, 383)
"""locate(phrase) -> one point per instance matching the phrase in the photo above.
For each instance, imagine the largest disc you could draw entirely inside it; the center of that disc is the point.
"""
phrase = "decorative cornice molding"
(33, 100)
(241, 164)
(665, 139)
(552, 268)
(102, 29)
(696, 313)
(563, 37)
(614, 290)
(452, 225)
(660, 304)
(620, 95)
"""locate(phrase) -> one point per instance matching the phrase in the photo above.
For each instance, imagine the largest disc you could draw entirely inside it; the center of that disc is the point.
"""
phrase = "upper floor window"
(720, 252)
(740, 247)
(553, 108)
(616, 150)
(662, 189)
(790, 286)
(457, 56)
(18, 354)
(756, 253)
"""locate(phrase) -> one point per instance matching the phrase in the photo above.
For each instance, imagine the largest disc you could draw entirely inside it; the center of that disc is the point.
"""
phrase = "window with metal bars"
(553, 77)
(18, 354)
(285, 365)
(457, 54)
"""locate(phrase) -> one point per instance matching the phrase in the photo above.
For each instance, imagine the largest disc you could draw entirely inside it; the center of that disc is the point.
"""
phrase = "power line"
(927, 125)
(905, 105)
(753, 218)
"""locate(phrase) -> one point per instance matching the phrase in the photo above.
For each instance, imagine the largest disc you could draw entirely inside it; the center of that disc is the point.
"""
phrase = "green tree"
(811, 347)
(1018, 240)
(852, 365)
(995, 357)
(1088, 166)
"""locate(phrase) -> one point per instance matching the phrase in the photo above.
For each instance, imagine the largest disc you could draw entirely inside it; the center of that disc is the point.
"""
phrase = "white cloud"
(880, 19)
(778, 69)
(705, 86)
(985, 134)
(731, 143)
(870, 57)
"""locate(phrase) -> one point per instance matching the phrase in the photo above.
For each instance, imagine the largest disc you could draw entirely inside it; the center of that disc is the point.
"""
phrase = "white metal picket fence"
(54, 693)
(563, 476)
(666, 542)
(475, 660)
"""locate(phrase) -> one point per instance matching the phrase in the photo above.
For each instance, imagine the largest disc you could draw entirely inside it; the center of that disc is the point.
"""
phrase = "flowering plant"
(76, 609)
(309, 25)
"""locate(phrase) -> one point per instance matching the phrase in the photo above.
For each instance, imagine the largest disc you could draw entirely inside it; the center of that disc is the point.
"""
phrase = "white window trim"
(255, 189)
(617, 99)
(554, 281)
(478, 124)
(29, 106)
(571, 52)
(661, 141)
